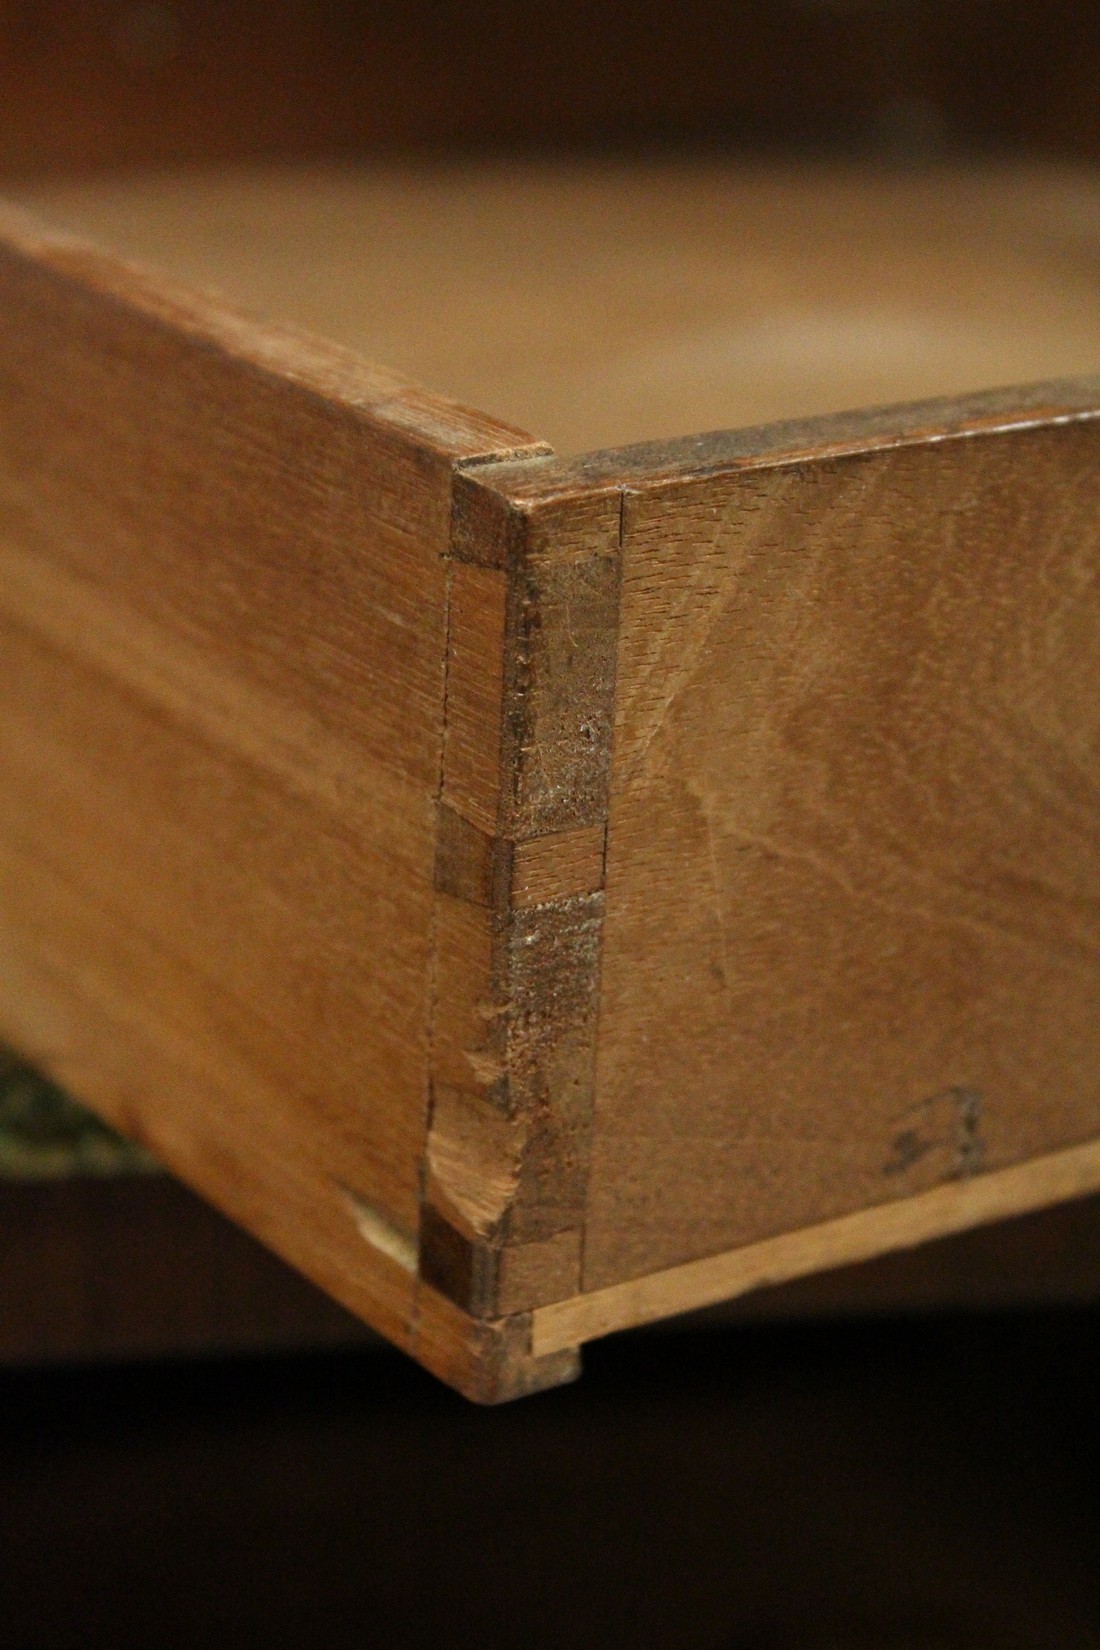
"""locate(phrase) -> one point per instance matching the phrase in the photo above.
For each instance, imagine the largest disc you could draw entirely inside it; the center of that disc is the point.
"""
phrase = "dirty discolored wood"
(518, 971)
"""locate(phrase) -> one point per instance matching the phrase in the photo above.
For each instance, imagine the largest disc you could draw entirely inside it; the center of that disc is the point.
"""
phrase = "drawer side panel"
(852, 934)
(223, 593)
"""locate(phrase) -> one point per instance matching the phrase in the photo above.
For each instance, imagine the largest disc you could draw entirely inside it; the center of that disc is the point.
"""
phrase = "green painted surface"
(46, 1136)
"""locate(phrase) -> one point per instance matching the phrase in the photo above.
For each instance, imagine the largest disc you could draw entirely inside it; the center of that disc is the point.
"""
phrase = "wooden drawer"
(537, 894)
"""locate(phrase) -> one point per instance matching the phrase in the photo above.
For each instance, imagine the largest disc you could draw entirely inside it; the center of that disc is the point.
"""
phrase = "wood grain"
(598, 303)
(852, 822)
(853, 839)
(957, 1206)
(101, 1268)
(223, 617)
(520, 903)
(559, 865)
(498, 879)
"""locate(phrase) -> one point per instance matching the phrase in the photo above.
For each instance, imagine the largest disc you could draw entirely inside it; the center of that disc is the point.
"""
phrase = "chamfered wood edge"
(953, 1207)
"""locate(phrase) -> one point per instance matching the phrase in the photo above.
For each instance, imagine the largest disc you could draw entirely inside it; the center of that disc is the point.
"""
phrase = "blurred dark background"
(87, 83)
(921, 1485)
(195, 1449)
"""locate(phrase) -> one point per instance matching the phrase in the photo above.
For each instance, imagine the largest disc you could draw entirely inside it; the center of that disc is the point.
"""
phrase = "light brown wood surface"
(98, 1269)
(598, 304)
(848, 912)
(495, 878)
(224, 610)
(958, 1205)
(854, 838)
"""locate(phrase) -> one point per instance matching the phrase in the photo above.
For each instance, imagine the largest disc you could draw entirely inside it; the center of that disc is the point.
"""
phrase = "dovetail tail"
(539, 874)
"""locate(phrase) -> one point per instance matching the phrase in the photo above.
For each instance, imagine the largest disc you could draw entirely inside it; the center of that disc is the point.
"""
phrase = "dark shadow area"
(902, 1486)
(124, 82)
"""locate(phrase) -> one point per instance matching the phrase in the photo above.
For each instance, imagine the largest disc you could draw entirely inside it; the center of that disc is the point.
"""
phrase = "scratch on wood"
(380, 1232)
